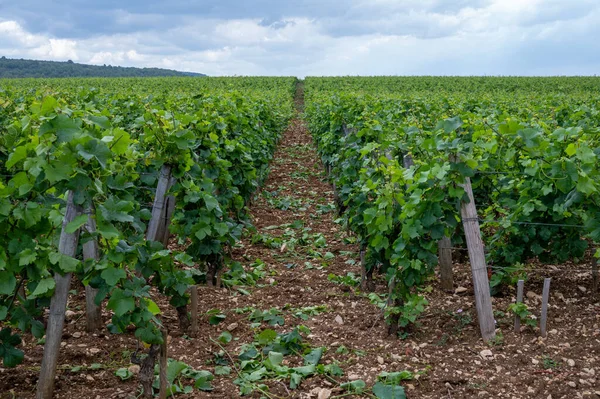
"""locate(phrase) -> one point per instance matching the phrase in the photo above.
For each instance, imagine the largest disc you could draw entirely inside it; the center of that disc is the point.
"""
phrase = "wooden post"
(155, 232)
(167, 215)
(520, 285)
(445, 259)
(67, 246)
(93, 312)
(162, 374)
(594, 276)
(194, 310)
(544, 315)
(366, 281)
(481, 284)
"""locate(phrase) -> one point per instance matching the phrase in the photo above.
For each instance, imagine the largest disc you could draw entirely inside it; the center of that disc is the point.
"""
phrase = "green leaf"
(305, 370)
(11, 356)
(44, 286)
(121, 141)
(48, 105)
(124, 374)
(216, 319)
(59, 171)
(211, 202)
(8, 283)
(451, 124)
(152, 307)
(571, 149)
(382, 391)
(120, 303)
(65, 263)
(149, 335)
(356, 386)
(175, 368)
(225, 337)
(76, 224)
(266, 337)
(203, 383)
(276, 358)
(17, 155)
(27, 257)
(113, 275)
(222, 370)
(100, 121)
(314, 357)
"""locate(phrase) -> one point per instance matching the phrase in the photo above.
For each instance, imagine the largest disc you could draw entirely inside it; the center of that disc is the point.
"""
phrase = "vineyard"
(388, 237)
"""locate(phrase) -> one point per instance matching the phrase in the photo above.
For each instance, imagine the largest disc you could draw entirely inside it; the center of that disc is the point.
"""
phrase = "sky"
(311, 37)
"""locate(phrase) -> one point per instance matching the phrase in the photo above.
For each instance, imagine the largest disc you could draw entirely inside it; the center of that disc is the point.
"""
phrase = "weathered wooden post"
(520, 286)
(445, 260)
(155, 232)
(162, 373)
(475, 245)
(194, 310)
(545, 298)
(91, 251)
(67, 246)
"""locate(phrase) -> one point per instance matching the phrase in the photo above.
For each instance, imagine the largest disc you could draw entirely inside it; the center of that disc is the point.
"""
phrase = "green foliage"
(529, 146)
(521, 310)
(106, 141)
(181, 378)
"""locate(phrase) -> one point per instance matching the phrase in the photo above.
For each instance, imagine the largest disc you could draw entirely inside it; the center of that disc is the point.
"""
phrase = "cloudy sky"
(312, 37)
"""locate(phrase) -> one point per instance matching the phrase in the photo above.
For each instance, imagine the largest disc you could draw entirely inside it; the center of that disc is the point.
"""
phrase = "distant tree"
(13, 68)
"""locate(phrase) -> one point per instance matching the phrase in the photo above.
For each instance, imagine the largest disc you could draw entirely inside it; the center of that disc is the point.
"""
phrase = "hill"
(20, 68)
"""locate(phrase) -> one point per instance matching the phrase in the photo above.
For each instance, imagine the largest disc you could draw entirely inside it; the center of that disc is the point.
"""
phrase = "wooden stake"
(544, 315)
(594, 276)
(194, 310)
(481, 284)
(445, 260)
(93, 312)
(158, 208)
(67, 246)
(162, 374)
(167, 215)
(520, 285)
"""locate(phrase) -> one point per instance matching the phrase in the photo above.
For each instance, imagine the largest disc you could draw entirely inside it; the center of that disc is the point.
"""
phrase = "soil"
(444, 350)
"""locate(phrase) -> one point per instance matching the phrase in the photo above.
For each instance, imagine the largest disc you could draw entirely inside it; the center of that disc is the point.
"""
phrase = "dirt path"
(298, 241)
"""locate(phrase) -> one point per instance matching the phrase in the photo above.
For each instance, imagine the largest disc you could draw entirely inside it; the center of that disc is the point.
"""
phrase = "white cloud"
(368, 37)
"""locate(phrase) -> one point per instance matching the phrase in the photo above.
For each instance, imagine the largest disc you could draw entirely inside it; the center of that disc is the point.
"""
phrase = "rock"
(353, 377)
(69, 314)
(339, 320)
(486, 354)
(232, 327)
(134, 369)
(572, 384)
(396, 357)
(571, 362)
(582, 288)
(76, 334)
(380, 360)
(535, 361)
(89, 378)
(324, 393)
(94, 351)
(460, 290)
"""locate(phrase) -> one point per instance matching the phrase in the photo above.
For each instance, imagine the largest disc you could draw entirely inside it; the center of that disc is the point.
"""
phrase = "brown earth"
(444, 350)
